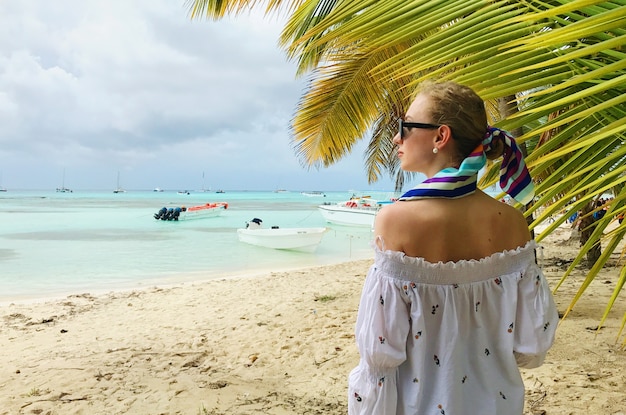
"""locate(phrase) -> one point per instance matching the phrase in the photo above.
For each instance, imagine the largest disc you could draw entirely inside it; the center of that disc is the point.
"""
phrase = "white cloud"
(95, 87)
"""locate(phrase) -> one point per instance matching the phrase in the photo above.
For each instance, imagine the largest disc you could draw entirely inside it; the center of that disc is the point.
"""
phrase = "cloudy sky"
(91, 88)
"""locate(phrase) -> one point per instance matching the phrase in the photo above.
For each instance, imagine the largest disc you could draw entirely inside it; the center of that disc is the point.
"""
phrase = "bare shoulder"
(401, 223)
(438, 229)
(385, 218)
(397, 214)
(507, 220)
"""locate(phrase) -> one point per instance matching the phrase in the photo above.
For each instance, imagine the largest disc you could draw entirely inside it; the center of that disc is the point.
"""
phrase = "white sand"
(281, 343)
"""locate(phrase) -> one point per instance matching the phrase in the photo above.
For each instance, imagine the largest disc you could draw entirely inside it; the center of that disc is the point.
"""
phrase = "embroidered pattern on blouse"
(430, 310)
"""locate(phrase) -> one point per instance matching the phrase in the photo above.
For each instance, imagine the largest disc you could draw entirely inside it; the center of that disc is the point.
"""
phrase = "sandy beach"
(278, 343)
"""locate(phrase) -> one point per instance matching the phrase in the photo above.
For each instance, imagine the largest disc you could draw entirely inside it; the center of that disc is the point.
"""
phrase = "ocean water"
(53, 244)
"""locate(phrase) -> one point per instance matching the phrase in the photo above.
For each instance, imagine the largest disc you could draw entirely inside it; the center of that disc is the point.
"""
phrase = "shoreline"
(174, 279)
(279, 343)
(171, 281)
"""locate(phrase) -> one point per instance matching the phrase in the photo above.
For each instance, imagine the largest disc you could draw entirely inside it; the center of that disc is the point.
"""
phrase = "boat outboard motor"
(161, 213)
(254, 224)
(176, 213)
(168, 214)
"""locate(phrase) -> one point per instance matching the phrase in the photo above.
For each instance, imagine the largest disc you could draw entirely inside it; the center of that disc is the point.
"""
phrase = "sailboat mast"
(118, 189)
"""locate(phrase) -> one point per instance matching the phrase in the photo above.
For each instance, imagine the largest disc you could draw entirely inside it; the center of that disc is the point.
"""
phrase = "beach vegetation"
(36, 392)
(325, 298)
(204, 411)
(553, 74)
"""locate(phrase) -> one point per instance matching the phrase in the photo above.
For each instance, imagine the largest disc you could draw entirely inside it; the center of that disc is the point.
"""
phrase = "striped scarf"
(454, 183)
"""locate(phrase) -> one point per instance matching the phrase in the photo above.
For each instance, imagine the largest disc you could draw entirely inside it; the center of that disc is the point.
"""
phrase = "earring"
(435, 150)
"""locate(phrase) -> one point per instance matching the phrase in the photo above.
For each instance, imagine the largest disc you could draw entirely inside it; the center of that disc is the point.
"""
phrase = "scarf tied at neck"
(455, 183)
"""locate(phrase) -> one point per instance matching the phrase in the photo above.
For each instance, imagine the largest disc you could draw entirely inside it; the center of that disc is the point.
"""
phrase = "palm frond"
(561, 63)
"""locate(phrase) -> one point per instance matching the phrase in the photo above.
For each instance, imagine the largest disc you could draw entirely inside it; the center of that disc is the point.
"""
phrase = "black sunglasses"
(404, 124)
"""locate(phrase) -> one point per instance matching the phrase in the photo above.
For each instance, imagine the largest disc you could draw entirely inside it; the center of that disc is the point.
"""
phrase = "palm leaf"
(562, 62)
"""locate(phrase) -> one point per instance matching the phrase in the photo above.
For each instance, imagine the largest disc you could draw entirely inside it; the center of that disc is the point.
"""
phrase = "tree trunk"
(587, 226)
(507, 106)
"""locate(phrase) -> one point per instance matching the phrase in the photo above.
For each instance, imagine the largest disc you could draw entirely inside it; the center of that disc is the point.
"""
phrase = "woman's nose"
(396, 139)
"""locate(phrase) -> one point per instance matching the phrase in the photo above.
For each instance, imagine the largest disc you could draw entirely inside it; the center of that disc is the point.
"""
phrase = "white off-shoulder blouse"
(447, 338)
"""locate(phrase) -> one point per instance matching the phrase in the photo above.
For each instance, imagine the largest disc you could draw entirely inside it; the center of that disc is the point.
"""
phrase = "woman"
(454, 301)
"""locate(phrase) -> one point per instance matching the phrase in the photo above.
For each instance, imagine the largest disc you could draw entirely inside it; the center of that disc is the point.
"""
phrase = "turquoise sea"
(54, 244)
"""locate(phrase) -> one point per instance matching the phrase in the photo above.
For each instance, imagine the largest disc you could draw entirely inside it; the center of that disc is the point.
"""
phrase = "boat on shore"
(208, 210)
(297, 239)
(358, 211)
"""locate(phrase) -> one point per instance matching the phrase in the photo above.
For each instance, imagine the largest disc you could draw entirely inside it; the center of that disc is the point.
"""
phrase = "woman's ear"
(444, 136)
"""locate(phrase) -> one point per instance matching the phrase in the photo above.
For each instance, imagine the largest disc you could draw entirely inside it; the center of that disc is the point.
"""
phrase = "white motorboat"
(208, 210)
(359, 211)
(313, 194)
(298, 239)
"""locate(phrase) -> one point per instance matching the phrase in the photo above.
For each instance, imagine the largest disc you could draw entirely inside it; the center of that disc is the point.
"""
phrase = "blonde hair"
(461, 109)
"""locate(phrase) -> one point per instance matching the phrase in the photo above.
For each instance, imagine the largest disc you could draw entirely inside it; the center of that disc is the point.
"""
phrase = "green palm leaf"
(560, 63)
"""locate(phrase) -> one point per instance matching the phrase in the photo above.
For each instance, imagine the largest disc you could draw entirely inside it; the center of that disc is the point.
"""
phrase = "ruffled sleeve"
(381, 334)
(537, 318)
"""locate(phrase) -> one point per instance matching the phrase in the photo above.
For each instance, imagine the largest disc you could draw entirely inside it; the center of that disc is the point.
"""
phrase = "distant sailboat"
(2, 189)
(119, 189)
(63, 189)
(204, 189)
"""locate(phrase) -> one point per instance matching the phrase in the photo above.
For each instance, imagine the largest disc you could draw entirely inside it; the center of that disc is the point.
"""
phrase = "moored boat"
(359, 211)
(208, 210)
(63, 189)
(313, 194)
(297, 239)
(118, 189)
